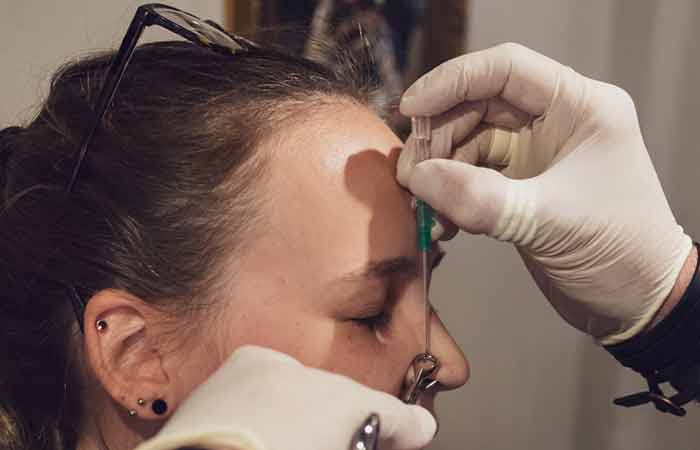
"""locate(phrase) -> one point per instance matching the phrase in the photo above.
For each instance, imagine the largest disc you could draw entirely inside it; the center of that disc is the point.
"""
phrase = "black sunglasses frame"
(146, 15)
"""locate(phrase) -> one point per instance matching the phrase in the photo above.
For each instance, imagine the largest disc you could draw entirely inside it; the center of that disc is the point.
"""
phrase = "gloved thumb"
(473, 198)
(409, 428)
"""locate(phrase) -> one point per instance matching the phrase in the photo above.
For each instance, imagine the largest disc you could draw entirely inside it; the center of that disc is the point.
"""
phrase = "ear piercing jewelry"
(140, 402)
(159, 406)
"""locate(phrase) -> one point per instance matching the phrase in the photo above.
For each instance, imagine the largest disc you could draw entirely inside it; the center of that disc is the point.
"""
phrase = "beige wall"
(536, 383)
(37, 36)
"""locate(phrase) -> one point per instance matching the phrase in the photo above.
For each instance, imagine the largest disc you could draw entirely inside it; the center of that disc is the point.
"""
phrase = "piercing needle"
(420, 128)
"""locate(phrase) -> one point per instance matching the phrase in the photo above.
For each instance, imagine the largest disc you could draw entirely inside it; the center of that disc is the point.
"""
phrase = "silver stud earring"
(141, 402)
(132, 413)
(101, 325)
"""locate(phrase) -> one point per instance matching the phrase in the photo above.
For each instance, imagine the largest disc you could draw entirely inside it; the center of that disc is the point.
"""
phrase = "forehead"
(333, 192)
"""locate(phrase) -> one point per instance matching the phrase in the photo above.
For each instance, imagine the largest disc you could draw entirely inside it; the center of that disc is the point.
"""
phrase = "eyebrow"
(391, 267)
(385, 268)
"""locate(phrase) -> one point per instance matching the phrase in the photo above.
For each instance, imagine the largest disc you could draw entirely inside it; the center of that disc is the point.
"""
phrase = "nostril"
(455, 367)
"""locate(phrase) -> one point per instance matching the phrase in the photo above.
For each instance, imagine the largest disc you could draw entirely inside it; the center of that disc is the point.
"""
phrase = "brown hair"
(168, 185)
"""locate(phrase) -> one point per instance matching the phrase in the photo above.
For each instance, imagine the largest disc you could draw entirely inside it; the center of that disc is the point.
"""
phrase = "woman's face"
(332, 278)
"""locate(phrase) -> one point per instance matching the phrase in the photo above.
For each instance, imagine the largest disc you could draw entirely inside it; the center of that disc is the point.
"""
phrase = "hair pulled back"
(167, 186)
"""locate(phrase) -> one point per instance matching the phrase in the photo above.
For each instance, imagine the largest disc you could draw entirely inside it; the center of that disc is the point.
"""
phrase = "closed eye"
(376, 321)
(379, 316)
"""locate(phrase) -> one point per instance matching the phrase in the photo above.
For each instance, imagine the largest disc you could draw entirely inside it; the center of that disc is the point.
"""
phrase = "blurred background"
(536, 383)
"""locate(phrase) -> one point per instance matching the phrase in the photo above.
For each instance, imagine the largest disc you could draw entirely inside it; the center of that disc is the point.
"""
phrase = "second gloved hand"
(260, 399)
(555, 163)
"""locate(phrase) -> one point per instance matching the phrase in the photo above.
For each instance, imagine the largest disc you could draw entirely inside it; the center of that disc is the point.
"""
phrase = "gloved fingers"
(504, 115)
(407, 161)
(522, 77)
(484, 144)
(447, 130)
(453, 126)
(475, 148)
(261, 357)
(471, 197)
(489, 146)
(404, 427)
(443, 229)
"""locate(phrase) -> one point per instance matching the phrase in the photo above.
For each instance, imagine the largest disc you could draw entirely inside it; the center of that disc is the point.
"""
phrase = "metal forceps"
(367, 437)
(422, 374)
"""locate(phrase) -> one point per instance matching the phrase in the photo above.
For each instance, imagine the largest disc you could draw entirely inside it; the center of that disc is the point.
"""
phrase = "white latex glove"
(260, 399)
(574, 188)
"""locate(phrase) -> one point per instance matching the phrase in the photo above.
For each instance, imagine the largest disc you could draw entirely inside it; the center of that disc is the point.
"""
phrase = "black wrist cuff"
(668, 352)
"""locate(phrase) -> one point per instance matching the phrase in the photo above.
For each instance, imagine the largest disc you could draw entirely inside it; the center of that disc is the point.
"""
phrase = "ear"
(123, 351)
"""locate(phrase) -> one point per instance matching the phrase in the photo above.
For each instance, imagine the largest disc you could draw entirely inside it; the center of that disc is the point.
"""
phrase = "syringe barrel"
(420, 127)
(424, 224)
(421, 132)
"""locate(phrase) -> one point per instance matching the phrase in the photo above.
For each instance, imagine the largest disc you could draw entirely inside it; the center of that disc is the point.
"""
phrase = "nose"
(454, 368)
(409, 316)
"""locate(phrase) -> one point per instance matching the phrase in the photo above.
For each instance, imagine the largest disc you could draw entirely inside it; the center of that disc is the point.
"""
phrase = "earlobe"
(124, 354)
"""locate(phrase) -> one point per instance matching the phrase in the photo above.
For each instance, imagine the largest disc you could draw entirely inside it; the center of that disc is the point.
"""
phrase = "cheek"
(319, 340)
(378, 359)
(282, 328)
(359, 353)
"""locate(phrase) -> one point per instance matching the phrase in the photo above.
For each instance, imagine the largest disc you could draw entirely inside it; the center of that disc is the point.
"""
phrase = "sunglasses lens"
(207, 34)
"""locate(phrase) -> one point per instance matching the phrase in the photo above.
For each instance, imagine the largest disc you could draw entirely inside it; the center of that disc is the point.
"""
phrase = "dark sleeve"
(669, 352)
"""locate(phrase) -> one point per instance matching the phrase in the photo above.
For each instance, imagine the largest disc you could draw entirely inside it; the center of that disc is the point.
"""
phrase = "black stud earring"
(159, 406)
(101, 325)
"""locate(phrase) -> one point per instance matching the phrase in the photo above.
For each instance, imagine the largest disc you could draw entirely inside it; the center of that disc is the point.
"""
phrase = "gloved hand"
(260, 399)
(573, 186)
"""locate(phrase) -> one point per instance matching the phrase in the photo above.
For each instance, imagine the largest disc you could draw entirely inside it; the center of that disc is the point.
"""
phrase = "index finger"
(520, 76)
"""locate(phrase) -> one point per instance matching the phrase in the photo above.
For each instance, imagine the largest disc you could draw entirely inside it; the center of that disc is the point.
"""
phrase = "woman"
(226, 201)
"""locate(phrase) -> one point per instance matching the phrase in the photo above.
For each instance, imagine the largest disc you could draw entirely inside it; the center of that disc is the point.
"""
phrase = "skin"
(338, 245)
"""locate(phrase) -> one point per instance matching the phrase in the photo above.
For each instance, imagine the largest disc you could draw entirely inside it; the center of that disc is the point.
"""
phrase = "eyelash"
(383, 317)
(376, 321)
